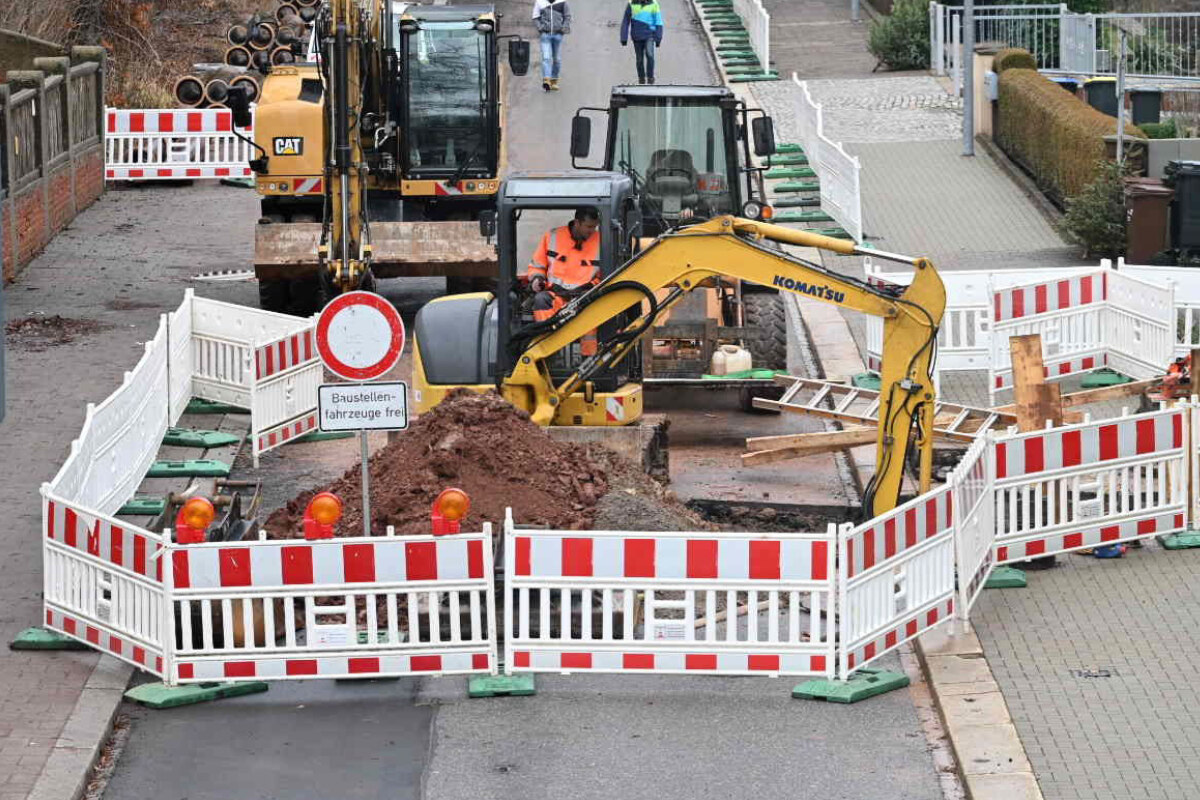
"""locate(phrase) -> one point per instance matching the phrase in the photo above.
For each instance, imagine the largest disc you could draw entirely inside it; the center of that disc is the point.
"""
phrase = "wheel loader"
(375, 158)
(485, 341)
(687, 150)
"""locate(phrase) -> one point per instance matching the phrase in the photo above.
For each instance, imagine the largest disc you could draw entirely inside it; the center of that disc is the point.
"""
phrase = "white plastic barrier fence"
(1096, 483)
(600, 601)
(259, 360)
(974, 521)
(964, 339)
(896, 578)
(837, 171)
(1086, 321)
(173, 144)
(332, 608)
(103, 583)
(1187, 299)
(758, 26)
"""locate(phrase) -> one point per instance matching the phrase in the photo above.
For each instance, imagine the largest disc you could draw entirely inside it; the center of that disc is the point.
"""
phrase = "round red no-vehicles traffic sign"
(360, 336)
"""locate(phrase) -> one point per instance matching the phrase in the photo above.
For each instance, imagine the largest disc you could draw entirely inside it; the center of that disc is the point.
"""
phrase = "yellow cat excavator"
(482, 341)
(374, 159)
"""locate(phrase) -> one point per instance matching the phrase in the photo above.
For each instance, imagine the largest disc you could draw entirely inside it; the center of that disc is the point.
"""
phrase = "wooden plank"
(1035, 404)
(1103, 394)
(812, 444)
(852, 436)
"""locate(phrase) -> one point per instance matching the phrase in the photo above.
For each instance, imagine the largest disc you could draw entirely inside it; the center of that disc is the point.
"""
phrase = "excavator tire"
(306, 295)
(763, 315)
(767, 339)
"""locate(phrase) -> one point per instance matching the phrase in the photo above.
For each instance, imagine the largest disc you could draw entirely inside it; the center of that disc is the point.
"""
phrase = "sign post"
(360, 337)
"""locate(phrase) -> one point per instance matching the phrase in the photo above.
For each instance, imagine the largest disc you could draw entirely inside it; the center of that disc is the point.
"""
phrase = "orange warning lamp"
(323, 511)
(193, 520)
(768, 213)
(448, 511)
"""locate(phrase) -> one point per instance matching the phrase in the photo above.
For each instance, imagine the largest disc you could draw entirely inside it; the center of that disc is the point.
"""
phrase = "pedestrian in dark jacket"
(553, 19)
(644, 24)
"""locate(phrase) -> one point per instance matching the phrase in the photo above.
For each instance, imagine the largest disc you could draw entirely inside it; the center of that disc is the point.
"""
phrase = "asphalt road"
(581, 736)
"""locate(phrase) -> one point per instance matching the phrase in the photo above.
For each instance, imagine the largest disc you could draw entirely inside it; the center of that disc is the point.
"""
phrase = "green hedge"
(1053, 134)
(1013, 58)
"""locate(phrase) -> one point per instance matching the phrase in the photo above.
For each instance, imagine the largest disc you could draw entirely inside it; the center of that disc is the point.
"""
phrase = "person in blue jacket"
(644, 24)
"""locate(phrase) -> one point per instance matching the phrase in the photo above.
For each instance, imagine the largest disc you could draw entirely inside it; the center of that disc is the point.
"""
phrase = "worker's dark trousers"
(644, 51)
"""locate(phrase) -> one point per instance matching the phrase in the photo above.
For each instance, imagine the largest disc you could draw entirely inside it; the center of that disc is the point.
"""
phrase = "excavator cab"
(460, 340)
(687, 149)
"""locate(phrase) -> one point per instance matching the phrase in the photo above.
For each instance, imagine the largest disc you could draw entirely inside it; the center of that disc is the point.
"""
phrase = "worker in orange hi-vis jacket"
(565, 265)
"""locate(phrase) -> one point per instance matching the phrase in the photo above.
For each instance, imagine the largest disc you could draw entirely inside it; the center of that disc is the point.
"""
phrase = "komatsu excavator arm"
(688, 258)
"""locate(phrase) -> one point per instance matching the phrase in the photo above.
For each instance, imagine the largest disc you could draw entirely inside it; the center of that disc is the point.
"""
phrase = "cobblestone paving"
(1096, 660)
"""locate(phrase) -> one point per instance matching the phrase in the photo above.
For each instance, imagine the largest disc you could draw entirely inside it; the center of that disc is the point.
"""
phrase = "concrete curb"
(991, 757)
(67, 769)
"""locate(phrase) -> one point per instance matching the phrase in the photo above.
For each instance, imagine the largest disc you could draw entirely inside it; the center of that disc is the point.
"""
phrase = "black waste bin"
(1146, 105)
(1070, 84)
(1184, 177)
(1102, 94)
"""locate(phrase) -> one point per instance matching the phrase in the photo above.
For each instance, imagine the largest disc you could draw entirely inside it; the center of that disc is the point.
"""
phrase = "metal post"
(1121, 101)
(366, 482)
(968, 46)
(854, 11)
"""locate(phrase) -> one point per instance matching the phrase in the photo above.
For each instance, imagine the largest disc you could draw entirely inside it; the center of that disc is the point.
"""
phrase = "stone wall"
(51, 150)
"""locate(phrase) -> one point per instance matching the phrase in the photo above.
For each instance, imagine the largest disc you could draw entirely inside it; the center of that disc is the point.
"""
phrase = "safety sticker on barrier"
(896, 578)
(1090, 484)
(695, 603)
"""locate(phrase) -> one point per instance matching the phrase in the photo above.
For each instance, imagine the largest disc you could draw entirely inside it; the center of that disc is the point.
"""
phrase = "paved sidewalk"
(1097, 662)
(119, 264)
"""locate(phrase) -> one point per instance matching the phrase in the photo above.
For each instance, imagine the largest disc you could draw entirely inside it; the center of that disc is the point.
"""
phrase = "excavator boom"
(685, 259)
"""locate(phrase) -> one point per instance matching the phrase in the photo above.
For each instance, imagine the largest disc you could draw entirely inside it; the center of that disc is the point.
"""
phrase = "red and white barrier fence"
(175, 144)
(687, 603)
(1085, 322)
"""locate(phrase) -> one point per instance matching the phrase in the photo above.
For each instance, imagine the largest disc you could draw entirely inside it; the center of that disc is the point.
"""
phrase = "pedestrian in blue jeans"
(644, 24)
(553, 19)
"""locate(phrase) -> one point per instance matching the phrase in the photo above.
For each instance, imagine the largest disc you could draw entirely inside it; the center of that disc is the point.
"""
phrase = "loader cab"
(448, 96)
(461, 339)
(687, 149)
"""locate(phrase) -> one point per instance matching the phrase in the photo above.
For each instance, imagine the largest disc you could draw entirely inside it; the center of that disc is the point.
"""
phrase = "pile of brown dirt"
(478, 443)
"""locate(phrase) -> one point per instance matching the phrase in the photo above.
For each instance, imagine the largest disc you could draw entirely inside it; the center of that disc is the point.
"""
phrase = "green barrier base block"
(45, 639)
(159, 695)
(745, 375)
(1180, 541)
(1006, 578)
(769, 76)
(795, 202)
(243, 183)
(143, 507)
(791, 172)
(788, 160)
(183, 437)
(862, 684)
(788, 147)
(198, 406)
(832, 233)
(501, 686)
(320, 436)
(1104, 376)
(796, 187)
(195, 468)
(802, 216)
(866, 380)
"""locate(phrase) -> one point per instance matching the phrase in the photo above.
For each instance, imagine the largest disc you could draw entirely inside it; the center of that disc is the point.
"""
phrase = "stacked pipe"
(263, 41)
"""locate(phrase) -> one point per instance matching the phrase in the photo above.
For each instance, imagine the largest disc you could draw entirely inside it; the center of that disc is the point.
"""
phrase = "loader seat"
(671, 182)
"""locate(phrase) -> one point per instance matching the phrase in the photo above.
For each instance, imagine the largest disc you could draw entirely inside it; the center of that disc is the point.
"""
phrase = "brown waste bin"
(1147, 204)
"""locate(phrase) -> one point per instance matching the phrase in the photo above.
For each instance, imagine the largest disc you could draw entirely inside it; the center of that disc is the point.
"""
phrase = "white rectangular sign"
(363, 406)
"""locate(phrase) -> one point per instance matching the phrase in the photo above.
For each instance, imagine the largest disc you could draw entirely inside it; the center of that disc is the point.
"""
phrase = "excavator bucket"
(401, 249)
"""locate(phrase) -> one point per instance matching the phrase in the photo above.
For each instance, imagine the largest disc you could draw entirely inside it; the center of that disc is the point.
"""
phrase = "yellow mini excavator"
(480, 341)
(397, 123)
